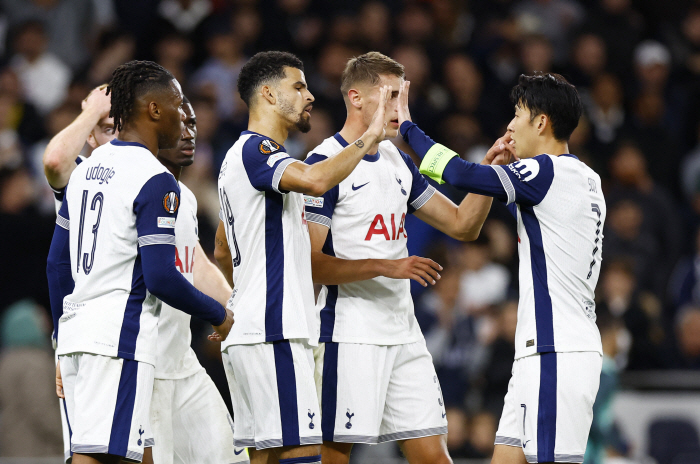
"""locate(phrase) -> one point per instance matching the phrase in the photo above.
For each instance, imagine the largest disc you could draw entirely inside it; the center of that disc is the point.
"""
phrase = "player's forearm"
(318, 178)
(329, 270)
(164, 281)
(64, 148)
(58, 273)
(471, 215)
(208, 278)
(222, 254)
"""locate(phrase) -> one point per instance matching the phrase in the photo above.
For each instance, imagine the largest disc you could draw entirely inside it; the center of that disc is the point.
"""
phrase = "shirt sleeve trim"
(157, 239)
(63, 222)
(279, 170)
(318, 219)
(423, 198)
(505, 181)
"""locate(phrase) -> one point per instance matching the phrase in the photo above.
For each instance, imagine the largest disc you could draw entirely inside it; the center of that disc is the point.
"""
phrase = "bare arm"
(222, 253)
(64, 147)
(462, 222)
(318, 178)
(208, 279)
(329, 270)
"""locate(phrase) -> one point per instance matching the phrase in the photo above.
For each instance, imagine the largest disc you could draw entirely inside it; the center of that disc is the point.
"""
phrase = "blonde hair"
(366, 69)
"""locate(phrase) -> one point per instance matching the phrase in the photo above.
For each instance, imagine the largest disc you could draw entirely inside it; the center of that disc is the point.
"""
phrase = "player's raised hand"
(422, 270)
(501, 152)
(98, 101)
(404, 113)
(59, 381)
(221, 331)
(377, 127)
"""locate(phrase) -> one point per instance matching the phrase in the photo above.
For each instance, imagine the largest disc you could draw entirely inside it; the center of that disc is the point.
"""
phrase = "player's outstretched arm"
(64, 147)
(329, 270)
(464, 222)
(317, 179)
(208, 279)
(222, 253)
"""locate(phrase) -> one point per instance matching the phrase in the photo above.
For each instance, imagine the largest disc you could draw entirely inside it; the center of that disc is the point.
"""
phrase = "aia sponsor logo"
(379, 227)
(186, 266)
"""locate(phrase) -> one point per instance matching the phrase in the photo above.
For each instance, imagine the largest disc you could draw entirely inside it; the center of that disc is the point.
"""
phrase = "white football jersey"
(560, 211)
(366, 214)
(119, 200)
(58, 193)
(273, 296)
(176, 359)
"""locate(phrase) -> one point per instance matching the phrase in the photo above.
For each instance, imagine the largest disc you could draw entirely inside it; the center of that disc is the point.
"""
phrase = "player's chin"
(391, 130)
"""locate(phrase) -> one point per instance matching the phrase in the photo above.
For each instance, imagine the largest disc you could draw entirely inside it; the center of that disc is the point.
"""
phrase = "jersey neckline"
(121, 143)
(343, 143)
(569, 155)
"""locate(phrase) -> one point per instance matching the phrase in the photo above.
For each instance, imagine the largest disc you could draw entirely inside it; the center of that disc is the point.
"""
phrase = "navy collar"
(246, 132)
(343, 143)
(570, 156)
(121, 143)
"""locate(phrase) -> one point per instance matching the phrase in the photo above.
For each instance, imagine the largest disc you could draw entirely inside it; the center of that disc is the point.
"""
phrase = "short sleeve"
(320, 209)
(62, 218)
(156, 208)
(265, 161)
(421, 190)
(527, 181)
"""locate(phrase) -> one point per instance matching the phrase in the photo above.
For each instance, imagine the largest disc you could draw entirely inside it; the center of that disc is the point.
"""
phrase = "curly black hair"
(552, 95)
(130, 81)
(264, 67)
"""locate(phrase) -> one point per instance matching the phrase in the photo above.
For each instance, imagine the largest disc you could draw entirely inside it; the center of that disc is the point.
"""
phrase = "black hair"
(130, 81)
(264, 67)
(552, 95)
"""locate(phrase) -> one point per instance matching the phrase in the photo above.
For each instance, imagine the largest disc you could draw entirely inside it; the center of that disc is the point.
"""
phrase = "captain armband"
(435, 161)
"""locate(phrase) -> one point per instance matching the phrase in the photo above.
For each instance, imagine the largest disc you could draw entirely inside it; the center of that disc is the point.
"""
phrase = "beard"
(301, 121)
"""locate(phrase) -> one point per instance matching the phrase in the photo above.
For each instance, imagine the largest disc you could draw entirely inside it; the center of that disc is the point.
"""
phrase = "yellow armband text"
(435, 161)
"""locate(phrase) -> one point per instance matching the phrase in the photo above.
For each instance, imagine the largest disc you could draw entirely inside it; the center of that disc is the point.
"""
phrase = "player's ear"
(542, 123)
(269, 94)
(355, 98)
(91, 140)
(154, 110)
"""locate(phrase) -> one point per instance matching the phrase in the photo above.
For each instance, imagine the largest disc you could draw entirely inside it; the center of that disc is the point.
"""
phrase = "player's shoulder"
(326, 149)
(254, 143)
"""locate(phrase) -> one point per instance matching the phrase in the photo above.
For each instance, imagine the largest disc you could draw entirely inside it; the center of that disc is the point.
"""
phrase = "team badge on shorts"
(171, 202)
(267, 147)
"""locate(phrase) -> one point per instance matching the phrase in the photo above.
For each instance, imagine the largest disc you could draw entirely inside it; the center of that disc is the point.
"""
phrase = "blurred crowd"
(635, 64)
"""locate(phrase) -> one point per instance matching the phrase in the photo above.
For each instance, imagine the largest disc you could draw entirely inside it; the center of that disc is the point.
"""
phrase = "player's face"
(183, 154)
(172, 116)
(524, 133)
(295, 100)
(392, 110)
(104, 132)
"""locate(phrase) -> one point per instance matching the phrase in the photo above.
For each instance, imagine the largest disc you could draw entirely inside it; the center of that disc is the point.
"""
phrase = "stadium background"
(636, 65)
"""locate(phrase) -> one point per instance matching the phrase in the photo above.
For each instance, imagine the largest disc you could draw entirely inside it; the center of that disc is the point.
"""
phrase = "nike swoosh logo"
(359, 186)
(238, 452)
(444, 414)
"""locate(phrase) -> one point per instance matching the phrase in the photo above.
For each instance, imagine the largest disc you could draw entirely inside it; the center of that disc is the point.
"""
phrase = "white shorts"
(273, 394)
(191, 424)
(376, 393)
(549, 405)
(107, 402)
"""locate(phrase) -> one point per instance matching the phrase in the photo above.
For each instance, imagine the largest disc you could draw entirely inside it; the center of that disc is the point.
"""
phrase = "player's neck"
(353, 130)
(553, 147)
(132, 134)
(263, 125)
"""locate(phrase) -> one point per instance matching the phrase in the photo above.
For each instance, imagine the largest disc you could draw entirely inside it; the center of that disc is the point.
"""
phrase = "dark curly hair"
(130, 81)
(264, 67)
(553, 96)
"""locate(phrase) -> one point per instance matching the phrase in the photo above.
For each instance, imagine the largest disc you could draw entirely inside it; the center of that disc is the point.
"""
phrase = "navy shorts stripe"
(70, 430)
(543, 301)
(274, 266)
(287, 392)
(329, 391)
(547, 410)
(124, 410)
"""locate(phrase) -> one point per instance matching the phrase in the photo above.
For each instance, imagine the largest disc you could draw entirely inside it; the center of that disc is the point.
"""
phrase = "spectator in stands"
(641, 312)
(588, 61)
(688, 333)
(499, 359)
(30, 420)
(458, 436)
(606, 113)
(44, 76)
(483, 283)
